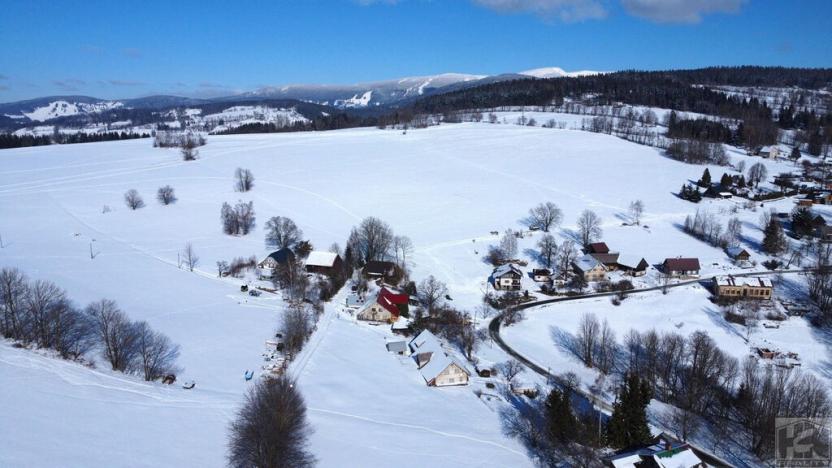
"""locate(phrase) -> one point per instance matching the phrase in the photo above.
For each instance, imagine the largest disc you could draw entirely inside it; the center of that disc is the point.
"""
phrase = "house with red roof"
(385, 306)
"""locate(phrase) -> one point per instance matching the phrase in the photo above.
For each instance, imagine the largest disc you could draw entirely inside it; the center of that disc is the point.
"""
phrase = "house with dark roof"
(379, 269)
(267, 266)
(384, 306)
(597, 248)
(681, 267)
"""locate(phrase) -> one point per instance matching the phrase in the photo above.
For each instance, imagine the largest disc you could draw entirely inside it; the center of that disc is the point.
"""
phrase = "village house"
(597, 248)
(436, 366)
(738, 254)
(748, 287)
(589, 268)
(506, 278)
(824, 233)
(384, 306)
(542, 275)
(663, 452)
(266, 268)
(377, 269)
(681, 267)
(770, 152)
(325, 263)
(633, 265)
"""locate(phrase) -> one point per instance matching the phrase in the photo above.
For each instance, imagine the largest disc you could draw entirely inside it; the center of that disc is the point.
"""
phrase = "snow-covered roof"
(734, 251)
(628, 461)
(396, 346)
(587, 263)
(754, 282)
(630, 261)
(426, 342)
(322, 259)
(506, 269)
(683, 458)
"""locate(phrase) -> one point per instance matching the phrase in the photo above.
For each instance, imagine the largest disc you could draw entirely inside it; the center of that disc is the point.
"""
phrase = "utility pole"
(1, 242)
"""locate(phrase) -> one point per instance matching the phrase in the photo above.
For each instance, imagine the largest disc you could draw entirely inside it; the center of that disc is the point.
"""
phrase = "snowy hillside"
(557, 72)
(445, 187)
(63, 108)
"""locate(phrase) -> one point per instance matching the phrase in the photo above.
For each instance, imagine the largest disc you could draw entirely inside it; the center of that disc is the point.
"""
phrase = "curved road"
(494, 332)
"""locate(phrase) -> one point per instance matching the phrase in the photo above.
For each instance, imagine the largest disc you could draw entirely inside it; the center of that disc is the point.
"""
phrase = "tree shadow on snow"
(565, 341)
(718, 319)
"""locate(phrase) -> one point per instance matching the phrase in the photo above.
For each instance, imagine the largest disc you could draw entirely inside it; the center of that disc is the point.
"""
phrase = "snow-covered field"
(446, 187)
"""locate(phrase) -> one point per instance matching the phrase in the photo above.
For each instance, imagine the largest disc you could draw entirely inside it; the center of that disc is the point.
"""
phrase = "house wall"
(376, 313)
(744, 291)
(452, 375)
(596, 274)
(507, 283)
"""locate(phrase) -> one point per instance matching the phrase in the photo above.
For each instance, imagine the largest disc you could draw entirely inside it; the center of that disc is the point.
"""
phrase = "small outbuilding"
(633, 265)
(738, 254)
(325, 263)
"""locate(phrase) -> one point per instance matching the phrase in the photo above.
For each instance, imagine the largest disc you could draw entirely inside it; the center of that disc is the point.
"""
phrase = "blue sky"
(129, 48)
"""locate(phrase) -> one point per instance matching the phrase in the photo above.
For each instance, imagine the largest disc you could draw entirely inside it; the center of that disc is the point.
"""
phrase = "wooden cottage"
(738, 254)
(267, 267)
(377, 269)
(325, 263)
(542, 275)
(681, 267)
(743, 287)
(506, 278)
(597, 248)
(632, 265)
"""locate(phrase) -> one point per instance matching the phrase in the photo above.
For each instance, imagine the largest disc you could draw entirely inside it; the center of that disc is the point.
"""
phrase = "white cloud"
(564, 10)
(679, 11)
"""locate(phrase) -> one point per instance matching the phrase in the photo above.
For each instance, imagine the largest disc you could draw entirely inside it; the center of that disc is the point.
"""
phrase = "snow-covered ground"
(446, 187)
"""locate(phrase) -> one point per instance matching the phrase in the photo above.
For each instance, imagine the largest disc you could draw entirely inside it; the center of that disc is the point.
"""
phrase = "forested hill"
(673, 89)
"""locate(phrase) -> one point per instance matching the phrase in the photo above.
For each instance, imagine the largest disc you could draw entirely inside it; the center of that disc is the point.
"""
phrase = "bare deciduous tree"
(402, 249)
(589, 227)
(166, 195)
(431, 293)
(757, 173)
(190, 257)
(271, 430)
(156, 353)
(243, 180)
(373, 239)
(508, 245)
(548, 250)
(295, 327)
(282, 232)
(636, 211)
(237, 220)
(14, 289)
(116, 334)
(545, 216)
(587, 338)
(567, 253)
(511, 369)
(133, 200)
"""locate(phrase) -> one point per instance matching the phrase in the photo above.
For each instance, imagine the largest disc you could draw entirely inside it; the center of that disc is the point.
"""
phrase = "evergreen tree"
(561, 424)
(795, 154)
(741, 183)
(628, 424)
(802, 221)
(705, 180)
(815, 144)
(774, 241)
(726, 180)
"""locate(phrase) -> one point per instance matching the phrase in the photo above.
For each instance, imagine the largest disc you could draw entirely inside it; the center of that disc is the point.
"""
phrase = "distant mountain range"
(374, 94)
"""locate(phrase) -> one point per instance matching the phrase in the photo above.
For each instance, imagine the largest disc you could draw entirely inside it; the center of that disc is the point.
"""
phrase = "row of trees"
(707, 227)
(40, 314)
(238, 220)
(10, 140)
(166, 195)
(703, 382)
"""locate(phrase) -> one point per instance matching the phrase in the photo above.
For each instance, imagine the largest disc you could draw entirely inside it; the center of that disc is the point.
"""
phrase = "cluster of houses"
(597, 261)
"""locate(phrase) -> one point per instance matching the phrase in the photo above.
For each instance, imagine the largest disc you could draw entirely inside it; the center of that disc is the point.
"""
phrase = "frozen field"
(445, 187)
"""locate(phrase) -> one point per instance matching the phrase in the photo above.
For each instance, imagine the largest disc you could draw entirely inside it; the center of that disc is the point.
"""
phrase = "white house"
(506, 277)
(436, 366)
(590, 268)
(267, 266)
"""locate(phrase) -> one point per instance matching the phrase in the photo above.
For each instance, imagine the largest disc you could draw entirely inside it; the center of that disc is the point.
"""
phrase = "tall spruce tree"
(628, 424)
(705, 180)
(561, 424)
(774, 241)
